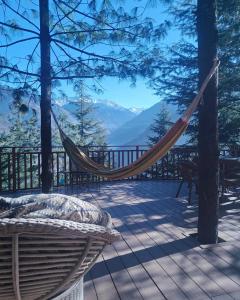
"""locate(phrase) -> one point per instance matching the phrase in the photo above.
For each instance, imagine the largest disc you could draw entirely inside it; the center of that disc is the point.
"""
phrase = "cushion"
(53, 206)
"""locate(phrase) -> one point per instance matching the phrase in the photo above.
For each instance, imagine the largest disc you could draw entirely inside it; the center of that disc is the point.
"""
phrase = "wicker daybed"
(41, 258)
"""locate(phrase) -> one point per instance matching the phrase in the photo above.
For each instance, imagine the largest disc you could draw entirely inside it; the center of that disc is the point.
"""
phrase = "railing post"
(14, 169)
(137, 152)
(137, 156)
(1, 169)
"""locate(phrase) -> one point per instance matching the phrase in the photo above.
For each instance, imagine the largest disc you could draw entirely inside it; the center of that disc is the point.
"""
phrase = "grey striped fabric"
(53, 206)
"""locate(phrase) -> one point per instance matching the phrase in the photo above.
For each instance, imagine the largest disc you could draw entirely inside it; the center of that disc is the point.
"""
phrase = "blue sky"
(140, 96)
(120, 92)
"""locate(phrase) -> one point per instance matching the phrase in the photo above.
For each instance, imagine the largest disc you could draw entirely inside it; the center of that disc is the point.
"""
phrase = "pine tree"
(75, 40)
(24, 129)
(87, 131)
(160, 126)
(23, 132)
(178, 79)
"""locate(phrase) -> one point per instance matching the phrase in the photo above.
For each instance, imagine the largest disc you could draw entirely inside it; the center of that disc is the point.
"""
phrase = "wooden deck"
(156, 258)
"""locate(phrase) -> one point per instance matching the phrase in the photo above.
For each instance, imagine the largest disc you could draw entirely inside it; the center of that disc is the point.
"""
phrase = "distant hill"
(108, 113)
(123, 126)
(6, 100)
(137, 130)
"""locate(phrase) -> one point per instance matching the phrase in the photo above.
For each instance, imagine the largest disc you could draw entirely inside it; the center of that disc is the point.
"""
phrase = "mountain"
(6, 100)
(123, 126)
(137, 130)
(108, 113)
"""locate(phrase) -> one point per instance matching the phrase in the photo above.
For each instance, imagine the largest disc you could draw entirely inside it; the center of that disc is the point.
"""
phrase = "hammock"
(83, 162)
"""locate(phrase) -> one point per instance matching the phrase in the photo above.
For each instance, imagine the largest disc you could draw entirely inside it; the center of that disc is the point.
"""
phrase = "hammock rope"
(83, 162)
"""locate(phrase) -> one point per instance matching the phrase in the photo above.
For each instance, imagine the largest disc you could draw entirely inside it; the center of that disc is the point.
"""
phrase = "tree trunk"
(46, 138)
(208, 125)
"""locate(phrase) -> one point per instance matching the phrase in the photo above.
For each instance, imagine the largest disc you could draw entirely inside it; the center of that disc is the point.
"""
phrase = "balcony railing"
(20, 167)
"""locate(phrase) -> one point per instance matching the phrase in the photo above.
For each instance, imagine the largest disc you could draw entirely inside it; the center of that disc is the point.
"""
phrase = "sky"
(140, 96)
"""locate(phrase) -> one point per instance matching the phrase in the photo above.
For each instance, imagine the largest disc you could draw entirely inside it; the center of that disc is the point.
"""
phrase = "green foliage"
(24, 131)
(89, 39)
(178, 75)
(87, 131)
(160, 126)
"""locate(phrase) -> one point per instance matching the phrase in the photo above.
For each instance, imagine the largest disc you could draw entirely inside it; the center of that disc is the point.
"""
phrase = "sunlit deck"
(156, 258)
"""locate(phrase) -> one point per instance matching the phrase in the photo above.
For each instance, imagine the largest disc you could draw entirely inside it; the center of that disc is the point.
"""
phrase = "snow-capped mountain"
(137, 130)
(108, 113)
(123, 126)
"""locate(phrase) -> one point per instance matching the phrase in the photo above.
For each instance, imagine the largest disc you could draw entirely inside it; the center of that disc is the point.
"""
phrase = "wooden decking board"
(137, 272)
(157, 273)
(141, 258)
(235, 295)
(103, 283)
(89, 289)
(194, 290)
(230, 284)
(141, 279)
(193, 273)
(120, 276)
(156, 259)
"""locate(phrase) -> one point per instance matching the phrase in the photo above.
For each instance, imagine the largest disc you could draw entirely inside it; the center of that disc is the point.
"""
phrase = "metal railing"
(20, 167)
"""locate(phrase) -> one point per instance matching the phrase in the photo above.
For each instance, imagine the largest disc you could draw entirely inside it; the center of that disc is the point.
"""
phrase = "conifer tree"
(74, 40)
(178, 79)
(160, 126)
(87, 131)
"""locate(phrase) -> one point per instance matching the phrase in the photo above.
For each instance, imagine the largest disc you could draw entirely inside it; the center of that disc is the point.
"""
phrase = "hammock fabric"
(83, 162)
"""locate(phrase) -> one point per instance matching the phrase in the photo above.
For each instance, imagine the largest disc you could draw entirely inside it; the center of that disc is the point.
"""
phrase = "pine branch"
(88, 53)
(31, 56)
(19, 41)
(97, 20)
(65, 52)
(89, 31)
(65, 14)
(16, 27)
(20, 15)
(18, 71)
(73, 77)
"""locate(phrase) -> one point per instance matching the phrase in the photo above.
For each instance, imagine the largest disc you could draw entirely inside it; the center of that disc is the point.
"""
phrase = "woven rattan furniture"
(42, 258)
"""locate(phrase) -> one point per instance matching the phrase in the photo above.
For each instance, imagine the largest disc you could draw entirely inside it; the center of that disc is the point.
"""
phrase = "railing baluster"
(1, 171)
(31, 171)
(39, 168)
(25, 171)
(9, 172)
(20, 167)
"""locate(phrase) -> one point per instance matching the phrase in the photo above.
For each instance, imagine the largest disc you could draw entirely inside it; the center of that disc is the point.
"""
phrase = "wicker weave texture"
(41, 258)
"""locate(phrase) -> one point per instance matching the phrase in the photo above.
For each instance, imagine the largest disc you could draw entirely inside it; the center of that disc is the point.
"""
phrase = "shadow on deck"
(156, 258)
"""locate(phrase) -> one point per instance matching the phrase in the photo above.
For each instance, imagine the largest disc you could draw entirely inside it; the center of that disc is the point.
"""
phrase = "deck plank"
(156, 258)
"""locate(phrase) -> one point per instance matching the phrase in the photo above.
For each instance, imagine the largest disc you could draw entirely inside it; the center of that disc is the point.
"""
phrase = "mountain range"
(123, 126)
(108, 113)
(137, 130)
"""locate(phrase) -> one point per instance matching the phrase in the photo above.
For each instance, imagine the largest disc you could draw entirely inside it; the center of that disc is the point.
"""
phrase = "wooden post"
(1, 169)
(14, 169)
(208, 125)
(46, 137)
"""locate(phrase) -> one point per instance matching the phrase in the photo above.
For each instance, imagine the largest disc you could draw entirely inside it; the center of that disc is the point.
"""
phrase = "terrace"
(156, 257)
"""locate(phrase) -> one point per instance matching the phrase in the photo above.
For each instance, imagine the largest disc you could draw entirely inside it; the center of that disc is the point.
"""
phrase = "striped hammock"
(83, 162)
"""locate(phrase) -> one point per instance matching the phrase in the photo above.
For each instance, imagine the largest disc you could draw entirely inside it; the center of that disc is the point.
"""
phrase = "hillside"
(108, 113)
(137, 130)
